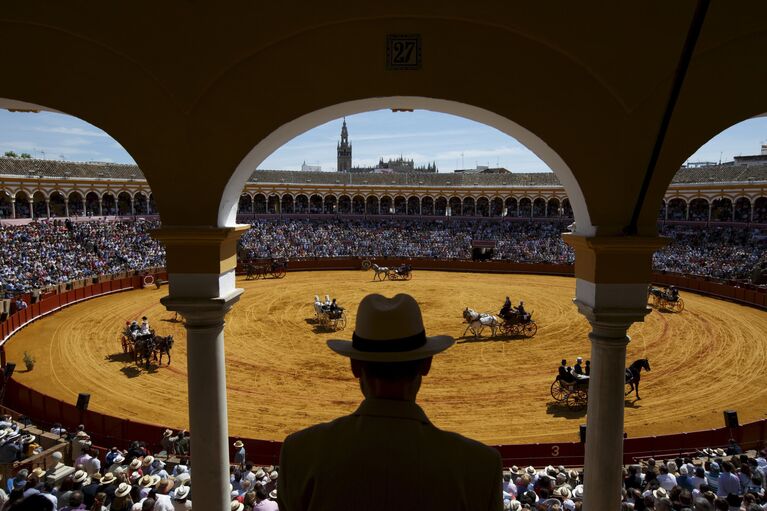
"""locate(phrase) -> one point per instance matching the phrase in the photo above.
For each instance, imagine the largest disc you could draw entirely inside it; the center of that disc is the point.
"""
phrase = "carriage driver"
(578, 369)
(673, 293)
(521, 309)
(506, 309)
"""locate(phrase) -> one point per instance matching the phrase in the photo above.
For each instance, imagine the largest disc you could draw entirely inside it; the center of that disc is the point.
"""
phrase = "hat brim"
(434, 345)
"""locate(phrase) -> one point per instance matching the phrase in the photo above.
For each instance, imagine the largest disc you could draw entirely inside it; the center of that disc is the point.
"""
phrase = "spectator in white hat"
(389, 438)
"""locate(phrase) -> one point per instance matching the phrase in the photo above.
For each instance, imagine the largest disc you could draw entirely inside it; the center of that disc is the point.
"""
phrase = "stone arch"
(427, 206)
(413, 205)
(371, 205)
(286, 203)
(454, 206)
(344, 205)
(358, 205)
(525, 207)
(760, 210)
(742, 210)
(539, 207)
(301, 204)
(109, 204)
(468, 207)
(273, 204)
(676, 209)
(567, 210)
(246, 204)
(124, 204)
(721, 210)
(92, 204)
(140, 204)
(22, 200)
(699, 210)
(290, 130)
(75, 204)
(387, 205)
(512, 206)
(483, 207)
(496, 207)
(552, 208)
(6, 204)
(151, 205)
(259, 204)
(330, 204)
(40, 204)
(58, 204)
(400, 205)
(440, 206)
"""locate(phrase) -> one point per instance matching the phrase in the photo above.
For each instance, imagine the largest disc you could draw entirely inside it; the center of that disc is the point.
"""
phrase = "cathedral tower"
(344, 151)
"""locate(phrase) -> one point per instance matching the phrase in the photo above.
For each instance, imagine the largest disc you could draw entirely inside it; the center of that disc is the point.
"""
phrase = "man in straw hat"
(389, 453)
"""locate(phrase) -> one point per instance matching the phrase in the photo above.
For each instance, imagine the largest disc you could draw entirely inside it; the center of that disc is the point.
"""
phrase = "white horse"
(380, 270)
(478, 321)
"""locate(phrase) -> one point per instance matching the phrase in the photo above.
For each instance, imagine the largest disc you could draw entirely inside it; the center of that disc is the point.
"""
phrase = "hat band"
(409, 343)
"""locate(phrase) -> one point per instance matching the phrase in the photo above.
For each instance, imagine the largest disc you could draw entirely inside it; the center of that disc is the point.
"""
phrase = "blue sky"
(453, 142)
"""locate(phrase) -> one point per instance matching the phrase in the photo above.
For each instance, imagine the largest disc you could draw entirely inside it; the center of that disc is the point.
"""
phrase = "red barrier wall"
(107, 430)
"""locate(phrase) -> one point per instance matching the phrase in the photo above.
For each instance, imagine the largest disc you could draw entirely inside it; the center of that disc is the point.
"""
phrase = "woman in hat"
(122, 500)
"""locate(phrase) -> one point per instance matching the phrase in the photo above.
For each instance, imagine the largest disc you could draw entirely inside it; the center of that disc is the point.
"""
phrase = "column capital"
(200, 249)
(614, 259)
(611, 319)
(202, 312)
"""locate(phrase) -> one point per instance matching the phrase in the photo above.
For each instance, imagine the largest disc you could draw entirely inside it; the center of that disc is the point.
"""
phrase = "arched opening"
(400, 205)
(440, 206)
(75, 204)
(721, 210)
(413, 206)
(512, 206)
(289, 130)
(525, 207)
(330, 204)
(58, 205)
(677, 209)
(315, 204)
(454, 206)
(567, 210)
(23, 209)
(552, 208)
(483, 207)
(259, 204)
(273, 204)
(246, 204)
(152, 206)
(468, 208)
(760, 210)
(124, 204)
(6, 204)
(109, 204)
(496, 207)
(40, 205)
(92, 204)
(427, 206)
(344, 205)
(742, 212)
(699, 210)
(387, 205)
(286, 205)
(371, 205)
(358, 205)
(539, 207)
(302, 204)
(662, 210)
(140, 204)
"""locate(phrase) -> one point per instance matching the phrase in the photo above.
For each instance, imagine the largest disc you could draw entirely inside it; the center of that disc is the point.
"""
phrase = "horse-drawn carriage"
(146, 347)
(572, 390)
(512, 324)
(276, 269)
(665, 299)
(328, 315)
(402, 272)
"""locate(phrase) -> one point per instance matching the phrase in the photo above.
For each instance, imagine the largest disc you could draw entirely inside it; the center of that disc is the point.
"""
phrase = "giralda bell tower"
(344, 151)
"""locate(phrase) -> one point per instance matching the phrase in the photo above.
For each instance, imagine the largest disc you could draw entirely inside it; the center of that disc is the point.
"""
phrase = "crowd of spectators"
(41, 254)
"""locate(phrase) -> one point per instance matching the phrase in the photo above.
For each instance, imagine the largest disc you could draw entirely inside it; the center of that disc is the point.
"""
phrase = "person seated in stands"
(506, 309)
(20, 304)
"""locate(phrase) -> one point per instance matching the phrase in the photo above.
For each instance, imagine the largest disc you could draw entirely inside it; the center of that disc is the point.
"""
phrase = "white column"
(13, 208)
(66, 207)
(31, 209)
(101, 207)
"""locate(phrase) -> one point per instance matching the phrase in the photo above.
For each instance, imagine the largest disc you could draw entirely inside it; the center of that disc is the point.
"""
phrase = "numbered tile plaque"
(403, 51)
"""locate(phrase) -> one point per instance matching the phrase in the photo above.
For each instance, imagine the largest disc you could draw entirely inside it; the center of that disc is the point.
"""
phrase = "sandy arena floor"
(282, 377)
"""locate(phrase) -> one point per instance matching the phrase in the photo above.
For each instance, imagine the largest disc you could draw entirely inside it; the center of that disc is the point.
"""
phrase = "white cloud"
(63, 130)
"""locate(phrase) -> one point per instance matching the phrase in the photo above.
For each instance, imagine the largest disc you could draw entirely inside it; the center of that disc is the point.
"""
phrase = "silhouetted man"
(387, 455)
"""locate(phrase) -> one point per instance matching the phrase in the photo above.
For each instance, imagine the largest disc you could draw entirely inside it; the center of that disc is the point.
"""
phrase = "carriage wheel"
(530, 329)
(575, 401)
(366, 264)
(392, 275)
(341, 323)
(678, 305)
(558, 392)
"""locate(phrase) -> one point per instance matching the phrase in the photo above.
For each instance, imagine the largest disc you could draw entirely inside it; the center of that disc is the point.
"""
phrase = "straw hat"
(660, 493)
(563, 491)
(274, 475)
(80, 476)
(260, 473)
(147, 461)
(164, 485)
(135, 464)
(182, 492)
(237, 506)
(390, 330)
(28, 439)
(147, 481)
(122, 490)
(38, 472)
(238, 444)
(273, 494)
(108, 478)
(530, 470)
(578, 492)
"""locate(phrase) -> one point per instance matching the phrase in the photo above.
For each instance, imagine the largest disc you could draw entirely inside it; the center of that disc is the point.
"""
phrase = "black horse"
(634, 374)
(143, 349)
(162, 346)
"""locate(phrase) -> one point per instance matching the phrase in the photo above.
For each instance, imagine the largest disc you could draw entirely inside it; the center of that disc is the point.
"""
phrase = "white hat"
(660, 493)
(274, 475)
(563, 491)
(579, 359)
(273, 494)
(260, 473)
(238, 444)
(237, 506)
(57, 455)
(135, 464)
(530, 470)
(181, 492)
(122, 490)
(147, 461)
(578, 492)
(515, 505)
(119, 458)
(108, 478)
(390, 330)
(80, 476)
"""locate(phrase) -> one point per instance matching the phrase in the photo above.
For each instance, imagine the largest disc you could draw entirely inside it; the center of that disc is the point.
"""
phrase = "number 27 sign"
(403, 51)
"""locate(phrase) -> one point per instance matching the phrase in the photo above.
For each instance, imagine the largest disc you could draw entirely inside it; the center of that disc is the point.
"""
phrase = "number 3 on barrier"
(555, 450)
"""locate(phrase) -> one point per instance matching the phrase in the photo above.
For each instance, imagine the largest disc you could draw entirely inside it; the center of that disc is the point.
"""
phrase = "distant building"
(483, 169)
(754, 159)
(344, 150)
(310, 168)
